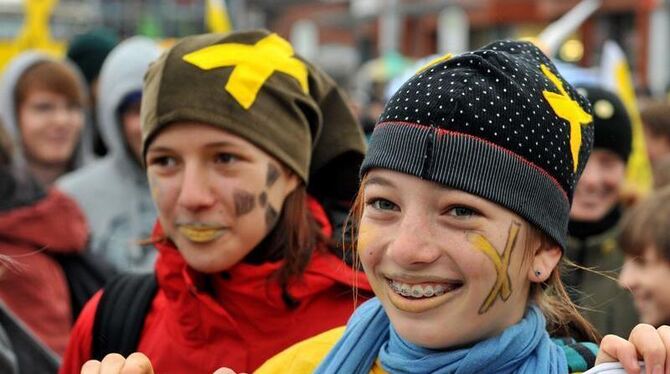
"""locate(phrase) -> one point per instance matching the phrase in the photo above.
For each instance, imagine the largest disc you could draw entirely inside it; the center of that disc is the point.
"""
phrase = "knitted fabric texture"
(89, 50)
(613, 130)
(498, 122)
(253, 85)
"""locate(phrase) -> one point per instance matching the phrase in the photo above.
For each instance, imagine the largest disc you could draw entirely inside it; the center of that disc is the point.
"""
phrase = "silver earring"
(537, 273)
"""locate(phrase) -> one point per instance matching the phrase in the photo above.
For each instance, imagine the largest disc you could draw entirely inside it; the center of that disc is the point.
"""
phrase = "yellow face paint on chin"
(200, 235)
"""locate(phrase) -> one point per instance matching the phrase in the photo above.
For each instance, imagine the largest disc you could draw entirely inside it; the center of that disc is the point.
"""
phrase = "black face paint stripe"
(263, 199)
(271, 217)
(272, 176)
(244, 202)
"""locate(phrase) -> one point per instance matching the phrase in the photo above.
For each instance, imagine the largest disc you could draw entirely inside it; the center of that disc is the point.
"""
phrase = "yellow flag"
(34, 33)
(216, 16)
(615, 75)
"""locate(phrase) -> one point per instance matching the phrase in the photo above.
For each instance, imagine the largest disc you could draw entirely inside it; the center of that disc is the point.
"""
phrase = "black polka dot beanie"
(613, 130)
(498, 122)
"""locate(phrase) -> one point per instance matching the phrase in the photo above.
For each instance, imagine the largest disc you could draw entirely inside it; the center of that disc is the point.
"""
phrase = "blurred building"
(360, 30)
(341, 35)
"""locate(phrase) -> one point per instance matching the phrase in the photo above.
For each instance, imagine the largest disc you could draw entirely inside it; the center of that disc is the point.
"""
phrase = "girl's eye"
(44, 107)
(640, 261)
(225, 158)
(383, 204)
(163, 161)
(462, 212)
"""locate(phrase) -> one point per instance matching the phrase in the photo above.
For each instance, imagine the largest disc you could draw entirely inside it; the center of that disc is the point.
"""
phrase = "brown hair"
(49, 76)
(6, 148)
(294, 238)
(646, 225)
(656, 117)
(563, 318)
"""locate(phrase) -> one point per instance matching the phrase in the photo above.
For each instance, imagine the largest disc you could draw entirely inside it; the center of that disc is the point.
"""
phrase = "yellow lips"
(200, 234)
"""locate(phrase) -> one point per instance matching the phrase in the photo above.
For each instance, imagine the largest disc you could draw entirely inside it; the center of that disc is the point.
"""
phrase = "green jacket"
(606, 305)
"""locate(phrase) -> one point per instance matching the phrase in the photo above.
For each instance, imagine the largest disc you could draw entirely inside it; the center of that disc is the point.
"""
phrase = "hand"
(114, 363)
(646, 342)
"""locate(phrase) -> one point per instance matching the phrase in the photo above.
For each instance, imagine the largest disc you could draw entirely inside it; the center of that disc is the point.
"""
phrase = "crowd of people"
(217, 205)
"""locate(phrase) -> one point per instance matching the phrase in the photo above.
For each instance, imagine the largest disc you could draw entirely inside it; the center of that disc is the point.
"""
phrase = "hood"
(10, 77)
(53, 223)
(122, 73)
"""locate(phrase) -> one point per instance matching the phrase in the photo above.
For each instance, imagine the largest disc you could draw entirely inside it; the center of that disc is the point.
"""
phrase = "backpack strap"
(120, 315)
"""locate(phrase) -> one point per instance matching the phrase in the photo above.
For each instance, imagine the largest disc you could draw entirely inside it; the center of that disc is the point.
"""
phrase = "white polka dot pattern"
(496, 94)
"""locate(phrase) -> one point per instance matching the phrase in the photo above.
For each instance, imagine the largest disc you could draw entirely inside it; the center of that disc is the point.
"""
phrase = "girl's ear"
(546, 258)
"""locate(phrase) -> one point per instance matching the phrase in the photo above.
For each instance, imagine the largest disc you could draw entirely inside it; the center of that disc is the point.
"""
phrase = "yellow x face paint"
(503, 284)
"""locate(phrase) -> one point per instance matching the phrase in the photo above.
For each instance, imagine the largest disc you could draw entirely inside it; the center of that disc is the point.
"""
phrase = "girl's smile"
(437, 256)
(418, 297)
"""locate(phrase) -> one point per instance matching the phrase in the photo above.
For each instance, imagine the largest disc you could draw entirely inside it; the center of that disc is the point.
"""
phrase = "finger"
(137, 363)
(112, 364)
(650, 346)
(90, 367)
(664, 333)
(614, 348)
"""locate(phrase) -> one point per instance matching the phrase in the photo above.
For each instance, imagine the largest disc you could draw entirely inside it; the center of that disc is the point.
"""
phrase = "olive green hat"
(253, 85)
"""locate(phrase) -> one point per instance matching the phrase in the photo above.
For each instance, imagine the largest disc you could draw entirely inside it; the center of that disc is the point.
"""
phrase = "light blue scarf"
(522, 348)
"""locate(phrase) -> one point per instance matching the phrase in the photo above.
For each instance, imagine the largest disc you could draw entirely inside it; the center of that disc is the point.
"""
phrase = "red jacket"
(33, 284)
(246, 323)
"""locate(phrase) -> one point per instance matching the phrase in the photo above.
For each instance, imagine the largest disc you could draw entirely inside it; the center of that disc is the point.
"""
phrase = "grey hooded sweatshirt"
(113, 192)
(10, 77)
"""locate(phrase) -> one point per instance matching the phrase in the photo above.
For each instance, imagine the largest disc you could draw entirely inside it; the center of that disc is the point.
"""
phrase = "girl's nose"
(196, 192)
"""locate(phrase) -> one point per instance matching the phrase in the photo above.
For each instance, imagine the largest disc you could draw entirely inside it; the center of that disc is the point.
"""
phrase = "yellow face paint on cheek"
(365, 233)
(367, 244)
(503, 284)
(155, 187)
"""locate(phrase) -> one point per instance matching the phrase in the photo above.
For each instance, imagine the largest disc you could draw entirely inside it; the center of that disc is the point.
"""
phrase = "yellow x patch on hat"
(568, 109)
(253, 65)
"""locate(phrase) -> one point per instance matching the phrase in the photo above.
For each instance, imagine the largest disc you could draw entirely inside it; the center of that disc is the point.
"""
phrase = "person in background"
(655, 117)
(88, 51)
(661, 172)
(42, 105)
(645, 240)
(114, 191)
(594, 216)
(44, 277)
(241, 139)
